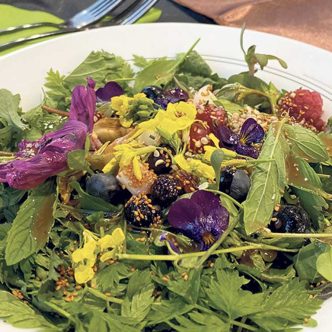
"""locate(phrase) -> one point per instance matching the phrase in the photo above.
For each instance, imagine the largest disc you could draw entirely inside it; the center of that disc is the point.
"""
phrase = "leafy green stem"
(297, 235)
(104, 297)
(59, 310)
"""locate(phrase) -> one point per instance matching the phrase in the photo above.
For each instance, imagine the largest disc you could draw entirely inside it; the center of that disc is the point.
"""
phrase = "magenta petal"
(111, 89)
(251, 132)
(83, 104)
(49, 156)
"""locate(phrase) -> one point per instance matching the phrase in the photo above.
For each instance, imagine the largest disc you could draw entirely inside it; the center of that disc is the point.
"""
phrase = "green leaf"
(21, 315)
(188, 289)
(90, 202)
(11, 126)
(285, 306)
(159, 72)
(167, 310)
(30, 230)
(199, 322)
(136, 309)
(229, 106)
(306, 144)
(101, 66)
(306, 260)
(225, 294)
(216, 159)
(195, 65)
(267, 182)
(324, 264)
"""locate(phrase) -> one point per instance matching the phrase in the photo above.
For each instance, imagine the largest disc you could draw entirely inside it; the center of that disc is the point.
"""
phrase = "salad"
(160, 196)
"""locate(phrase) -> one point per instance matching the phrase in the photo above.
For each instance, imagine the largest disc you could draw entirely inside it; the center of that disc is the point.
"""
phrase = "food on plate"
(165, 198)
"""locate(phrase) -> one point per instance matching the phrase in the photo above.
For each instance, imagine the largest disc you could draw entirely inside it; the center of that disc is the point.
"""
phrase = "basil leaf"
(30, 229)
(324, 264)
(267, 182)
(159, 72)
(306, 144)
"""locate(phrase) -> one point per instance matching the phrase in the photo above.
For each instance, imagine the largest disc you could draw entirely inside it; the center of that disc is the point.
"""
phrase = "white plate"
(24, 71)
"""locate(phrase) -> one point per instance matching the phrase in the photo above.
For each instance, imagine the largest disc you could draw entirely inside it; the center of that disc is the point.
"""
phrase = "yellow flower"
(120, 104)
(124, 154)
(194, 166)
(111, 241)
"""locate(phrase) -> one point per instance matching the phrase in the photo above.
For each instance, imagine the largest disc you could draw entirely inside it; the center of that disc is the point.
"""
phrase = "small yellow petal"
(137, 169)
(105, 242)
(83, 274)
(182, 162)
(110, 165)
(214, 139)
(78, 255)
(118, 237)
(208, 152)
(108, 255)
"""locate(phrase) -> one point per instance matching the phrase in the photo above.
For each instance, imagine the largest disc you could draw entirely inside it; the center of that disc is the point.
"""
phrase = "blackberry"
(290, 219)
(139, 211)
(160, 161)
(166, 189)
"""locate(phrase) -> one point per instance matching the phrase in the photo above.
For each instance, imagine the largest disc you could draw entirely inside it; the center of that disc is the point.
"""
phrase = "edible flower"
(127, 153)
(83, 104)
(200, 217)
(178, 116)
(242, 143)
(131, 109)
(108, 91)
(194, 166)
(38, 160)
(85, 258)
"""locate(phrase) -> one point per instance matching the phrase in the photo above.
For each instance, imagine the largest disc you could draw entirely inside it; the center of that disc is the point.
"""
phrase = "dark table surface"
(171, 12)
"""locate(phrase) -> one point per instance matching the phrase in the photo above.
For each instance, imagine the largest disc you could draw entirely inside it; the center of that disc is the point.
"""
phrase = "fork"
(128, 16)
(87, 16)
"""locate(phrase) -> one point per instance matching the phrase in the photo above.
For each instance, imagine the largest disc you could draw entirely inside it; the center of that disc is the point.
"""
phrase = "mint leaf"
(11, 126)
(285, 306)
(21, 315)
(306, 144)
(324, 264)
(30, 229)
(225, 294)
(267, 182)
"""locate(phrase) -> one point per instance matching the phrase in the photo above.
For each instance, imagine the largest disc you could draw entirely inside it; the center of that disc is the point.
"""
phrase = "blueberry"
(153, 92)
(104, 186)
(291, 219)
(235, 183)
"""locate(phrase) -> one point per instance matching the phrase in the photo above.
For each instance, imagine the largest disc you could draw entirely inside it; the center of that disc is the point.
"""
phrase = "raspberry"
(198, 137)
(212, 115)
(166, 189)
(303, 106)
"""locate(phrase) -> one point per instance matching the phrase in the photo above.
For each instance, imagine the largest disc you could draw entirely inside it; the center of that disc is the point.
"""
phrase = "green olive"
(109, 129)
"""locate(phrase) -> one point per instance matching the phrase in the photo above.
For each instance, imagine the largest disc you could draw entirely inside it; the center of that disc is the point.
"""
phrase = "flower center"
(208, 238)
(179, 114)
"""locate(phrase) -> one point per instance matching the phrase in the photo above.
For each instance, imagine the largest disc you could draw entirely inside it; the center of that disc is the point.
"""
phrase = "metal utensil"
(87, 16)
(130, 15)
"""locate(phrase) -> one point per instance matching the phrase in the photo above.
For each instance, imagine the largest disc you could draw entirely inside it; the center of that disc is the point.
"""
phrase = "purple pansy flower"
(201, 217)
(38, 160)
(109, 90)
(251, 132)
(83, 104)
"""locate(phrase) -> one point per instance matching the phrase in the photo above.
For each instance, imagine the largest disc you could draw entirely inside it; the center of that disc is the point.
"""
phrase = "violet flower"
(251, 132)
(201, 217)
(109, 90)
(83, 104)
